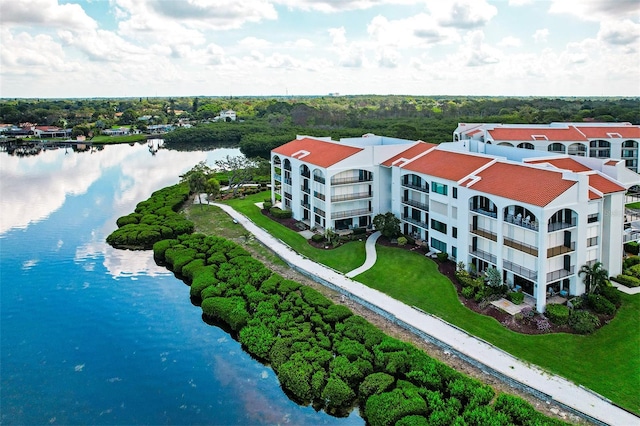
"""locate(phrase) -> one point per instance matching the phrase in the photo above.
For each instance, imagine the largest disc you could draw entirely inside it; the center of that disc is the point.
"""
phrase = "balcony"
(525, 248)
(421, 188)
(485, 212)
(318, 195)
(416, 222)
(350, 180)
(557, 251)
(481, 254)
(287, 181)
(558, 275)
(630, 235)
(416, 204)
(306, 174)
(305, 205)
(277, 178)
(520, 270)
(533, 225)
(319, 211)
(484, 233)
(305, 189)
(556, 226)
(349, 197)
(287, 195)
(350, 213)
(319, 179)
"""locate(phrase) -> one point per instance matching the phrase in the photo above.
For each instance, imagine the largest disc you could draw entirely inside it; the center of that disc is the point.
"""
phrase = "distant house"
(226, 114)
(159, 128)
(51, 132)
(120, 131)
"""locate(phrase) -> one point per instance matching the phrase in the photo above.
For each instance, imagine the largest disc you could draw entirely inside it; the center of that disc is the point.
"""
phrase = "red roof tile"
(521, 183)
(531, 133)
(473, 132)
(593, 196)
(320, 153)
(416, 149)
(447, 165)
(612, 162)
(593, 132)
(564, 163)
(603, 184)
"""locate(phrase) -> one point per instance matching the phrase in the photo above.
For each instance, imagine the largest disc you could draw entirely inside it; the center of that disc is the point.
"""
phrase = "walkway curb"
(575, 398)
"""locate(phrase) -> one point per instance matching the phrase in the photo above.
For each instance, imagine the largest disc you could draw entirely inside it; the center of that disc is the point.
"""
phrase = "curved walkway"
(371, 255)
(559, 389)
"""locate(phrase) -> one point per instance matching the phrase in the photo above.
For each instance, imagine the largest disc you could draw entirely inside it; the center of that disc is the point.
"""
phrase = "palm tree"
(594, 276)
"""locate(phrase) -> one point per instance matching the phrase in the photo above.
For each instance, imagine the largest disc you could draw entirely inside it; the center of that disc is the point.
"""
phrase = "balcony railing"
(350, 180)
(306, 174)
(533, 225)
(305, 205)
(523, 247)
(486, 212)
(350, 213)
(349, 197)
(416, 222)
(319, 195)
(277, 178)
(481, 254)
(520, 270)
(305, 189)
(557, 275)
(422, 188)
(557, 251)
(319, 211)
(485, 233)
(287, 195)
(416, 204)
(319, 179)
(556, 226)
(631, 236)
(287, 181)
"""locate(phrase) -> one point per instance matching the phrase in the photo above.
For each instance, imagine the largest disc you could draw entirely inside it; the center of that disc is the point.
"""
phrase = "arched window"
(505, 144)
(556, 147)
(577, 149)
(526, 145)
(600, 149)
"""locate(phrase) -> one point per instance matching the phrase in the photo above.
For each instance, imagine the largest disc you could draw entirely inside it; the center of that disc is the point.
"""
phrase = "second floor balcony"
(349, 197)
(350, 213)
(416, 204)
(414, 221)
(319, 195)
(520, 270)
(481, 254)
(484, 233)
(559, 274)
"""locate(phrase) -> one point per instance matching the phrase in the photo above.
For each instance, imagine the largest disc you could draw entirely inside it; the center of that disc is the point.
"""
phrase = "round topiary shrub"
(583, 322)
(557, 314)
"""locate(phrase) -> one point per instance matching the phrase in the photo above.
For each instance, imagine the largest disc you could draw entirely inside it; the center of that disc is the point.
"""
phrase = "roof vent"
(300, 154)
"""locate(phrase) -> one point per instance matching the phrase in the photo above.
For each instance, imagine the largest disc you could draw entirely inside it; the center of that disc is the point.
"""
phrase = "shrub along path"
(557, 388)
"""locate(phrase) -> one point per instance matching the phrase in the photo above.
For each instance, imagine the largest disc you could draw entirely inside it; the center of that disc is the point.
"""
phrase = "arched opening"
(556, 147)
(577, 149)
(521, 216)
(526, 145)
(562, 219)
(506, 144)
(483, 205)
(600, 149)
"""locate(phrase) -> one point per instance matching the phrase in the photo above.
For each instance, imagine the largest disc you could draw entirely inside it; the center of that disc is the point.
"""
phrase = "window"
(592, 218)
(454, 232)
(439, 188)
(455, 192)
(439, 245)
(439, 226)
(592, 241)
(454, 252)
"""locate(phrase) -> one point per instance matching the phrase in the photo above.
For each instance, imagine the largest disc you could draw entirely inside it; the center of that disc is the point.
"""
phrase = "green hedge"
(516, 297)
(626, 280)
(557, 314)
(583, 322)
(600, 304)
(279, 213)
(632, 247)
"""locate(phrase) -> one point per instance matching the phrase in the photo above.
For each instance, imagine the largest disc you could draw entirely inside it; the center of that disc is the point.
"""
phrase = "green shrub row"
(627, 280)
(153, 220)
(632, 247)
(557, 314)
(278, 213)
(601, 304)
(516, 297)
(322, 352)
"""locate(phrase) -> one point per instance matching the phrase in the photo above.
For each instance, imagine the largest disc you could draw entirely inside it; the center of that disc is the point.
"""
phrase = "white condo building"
(536, 216)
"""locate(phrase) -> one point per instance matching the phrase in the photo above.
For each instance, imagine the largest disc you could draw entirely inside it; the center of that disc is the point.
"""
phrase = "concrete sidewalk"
(562, 391)
(371, 255)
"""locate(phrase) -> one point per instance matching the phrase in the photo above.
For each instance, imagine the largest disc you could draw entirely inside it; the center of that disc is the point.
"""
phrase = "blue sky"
(113, 48)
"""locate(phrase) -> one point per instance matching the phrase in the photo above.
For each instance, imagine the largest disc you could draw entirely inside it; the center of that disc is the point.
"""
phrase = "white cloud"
(475, 53)
(45, 13)
(338, 36)
(254, 43)
(418, 30)
(510, 41)
(304, 43)
(597, 10)
(541, 35)
(624, 33)
(333, 6)
(520, 2)
(466, 14)
(388, 57)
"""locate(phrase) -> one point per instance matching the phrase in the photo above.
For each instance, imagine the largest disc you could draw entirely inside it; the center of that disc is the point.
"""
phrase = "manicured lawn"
(106, 139)
(344, 258)
(633, 205)
(607, 361)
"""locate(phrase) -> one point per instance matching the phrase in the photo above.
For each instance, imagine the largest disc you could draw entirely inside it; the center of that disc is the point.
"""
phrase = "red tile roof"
(612, 162)
(447, 165)
(473, 132)
(530, 133)
(521, 183)
(593, 196)
(603, 184)
(593, 132)
(564, 163)
(416, 149)
(320, 153)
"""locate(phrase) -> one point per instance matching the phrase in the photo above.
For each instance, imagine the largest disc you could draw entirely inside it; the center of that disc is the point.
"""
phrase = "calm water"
(92, 335)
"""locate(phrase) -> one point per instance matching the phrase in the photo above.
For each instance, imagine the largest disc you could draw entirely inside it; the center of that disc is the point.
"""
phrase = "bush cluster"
(557, 314)
(632, 247)
(600, 304)
(583, 322)
(627, 280)
(322, 352)
(153, 220)
(278, 213)
(317, 238)
(516, 297)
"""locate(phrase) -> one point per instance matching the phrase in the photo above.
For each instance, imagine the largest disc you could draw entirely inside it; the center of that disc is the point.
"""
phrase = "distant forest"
(267, 122)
